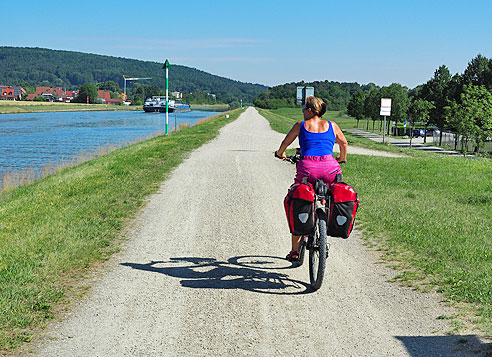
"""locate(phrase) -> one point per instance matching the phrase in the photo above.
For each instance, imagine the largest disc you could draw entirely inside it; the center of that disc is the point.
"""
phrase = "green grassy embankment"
(14, 107)
(54, 229)
(211, 107)
(282, 120)
(432, 216)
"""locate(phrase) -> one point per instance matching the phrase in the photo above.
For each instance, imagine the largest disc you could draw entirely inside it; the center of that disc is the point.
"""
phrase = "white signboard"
(385, 107)
(303, 93)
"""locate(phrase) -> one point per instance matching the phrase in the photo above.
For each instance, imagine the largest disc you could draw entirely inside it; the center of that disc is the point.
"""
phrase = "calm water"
(36, 139)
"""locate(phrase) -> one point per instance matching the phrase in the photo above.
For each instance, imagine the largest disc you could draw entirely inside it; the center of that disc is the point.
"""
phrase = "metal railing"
(454, 142)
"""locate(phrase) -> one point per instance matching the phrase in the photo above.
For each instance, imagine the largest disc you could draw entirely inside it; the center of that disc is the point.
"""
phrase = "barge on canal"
(157, 104)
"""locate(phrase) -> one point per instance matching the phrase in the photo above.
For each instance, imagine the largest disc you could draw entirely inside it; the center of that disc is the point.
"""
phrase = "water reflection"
(33, 140)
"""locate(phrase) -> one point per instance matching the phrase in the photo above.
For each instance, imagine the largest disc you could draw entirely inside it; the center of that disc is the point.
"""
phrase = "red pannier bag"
(299, 208)
(342, 210)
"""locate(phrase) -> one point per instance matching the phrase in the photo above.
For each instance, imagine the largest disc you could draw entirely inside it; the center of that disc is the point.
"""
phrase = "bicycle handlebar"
(294, 159)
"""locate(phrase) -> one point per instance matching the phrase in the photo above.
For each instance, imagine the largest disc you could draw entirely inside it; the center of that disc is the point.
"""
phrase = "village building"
(177, 95)
(52, 94)
(11, 92)
(103, 96)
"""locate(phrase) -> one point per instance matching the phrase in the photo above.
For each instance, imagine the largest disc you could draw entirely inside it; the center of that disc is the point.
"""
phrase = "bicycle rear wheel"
(317, 253)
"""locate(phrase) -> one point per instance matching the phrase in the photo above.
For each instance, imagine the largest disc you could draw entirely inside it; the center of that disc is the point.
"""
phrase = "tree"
(472, 119)
(355, 106)
(436, 90)
(28, 87)
(455, 88)
(87, 90)
(415, 92)
(336, 95)
(399, 101)
(152, 90)
(110, 86)
(418, 111)
(478, 72)
(371, 105)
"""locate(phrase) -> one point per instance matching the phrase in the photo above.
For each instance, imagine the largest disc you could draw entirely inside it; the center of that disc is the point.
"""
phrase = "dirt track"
(203, 274)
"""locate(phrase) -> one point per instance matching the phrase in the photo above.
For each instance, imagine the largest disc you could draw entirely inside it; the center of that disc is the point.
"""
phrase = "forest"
(31, 67)
(336, 95)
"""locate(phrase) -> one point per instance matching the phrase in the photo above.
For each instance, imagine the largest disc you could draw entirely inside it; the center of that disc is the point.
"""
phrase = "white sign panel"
(385, 112)
(385, 107)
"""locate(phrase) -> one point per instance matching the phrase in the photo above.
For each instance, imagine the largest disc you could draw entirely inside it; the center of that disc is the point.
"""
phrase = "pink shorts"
(318, 167)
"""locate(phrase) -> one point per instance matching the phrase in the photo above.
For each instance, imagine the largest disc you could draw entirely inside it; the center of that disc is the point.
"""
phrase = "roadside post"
(385, 111)
(166, 67)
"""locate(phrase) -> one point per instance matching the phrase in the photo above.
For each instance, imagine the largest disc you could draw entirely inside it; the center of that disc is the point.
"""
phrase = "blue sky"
(269, 42)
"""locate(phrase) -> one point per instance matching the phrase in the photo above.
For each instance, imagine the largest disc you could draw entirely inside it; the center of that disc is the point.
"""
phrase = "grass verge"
(283, 119)
(56, 227)
(432, 216)
(211, 107)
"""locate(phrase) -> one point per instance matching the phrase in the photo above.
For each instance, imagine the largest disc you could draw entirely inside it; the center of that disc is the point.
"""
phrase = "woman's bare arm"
(341, 141)
(289, 138)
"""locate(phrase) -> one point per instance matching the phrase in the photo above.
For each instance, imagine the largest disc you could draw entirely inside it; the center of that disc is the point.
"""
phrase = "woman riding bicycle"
(316, 138)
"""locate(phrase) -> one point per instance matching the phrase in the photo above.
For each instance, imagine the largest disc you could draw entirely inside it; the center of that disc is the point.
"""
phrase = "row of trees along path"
(461, 103)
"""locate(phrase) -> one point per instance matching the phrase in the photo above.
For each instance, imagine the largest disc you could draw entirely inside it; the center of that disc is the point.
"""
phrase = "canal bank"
(34, 141)
(52, 231)
(15, 107)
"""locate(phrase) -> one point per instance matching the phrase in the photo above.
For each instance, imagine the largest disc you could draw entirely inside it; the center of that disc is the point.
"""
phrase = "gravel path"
(202, 274)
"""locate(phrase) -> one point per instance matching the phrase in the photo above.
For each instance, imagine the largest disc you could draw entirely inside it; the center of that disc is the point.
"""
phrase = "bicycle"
(316, 242)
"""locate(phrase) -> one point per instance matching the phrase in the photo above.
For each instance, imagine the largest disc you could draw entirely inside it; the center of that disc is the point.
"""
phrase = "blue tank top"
(316, 144)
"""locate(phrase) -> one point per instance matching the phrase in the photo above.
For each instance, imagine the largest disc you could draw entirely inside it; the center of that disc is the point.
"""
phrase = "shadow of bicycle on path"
(250, 273)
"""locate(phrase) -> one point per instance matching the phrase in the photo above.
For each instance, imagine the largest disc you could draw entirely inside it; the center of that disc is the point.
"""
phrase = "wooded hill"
(336, 95)
(43, 67)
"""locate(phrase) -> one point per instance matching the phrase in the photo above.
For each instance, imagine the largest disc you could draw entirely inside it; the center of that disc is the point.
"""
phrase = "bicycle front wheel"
(302, 250)
(317, 253)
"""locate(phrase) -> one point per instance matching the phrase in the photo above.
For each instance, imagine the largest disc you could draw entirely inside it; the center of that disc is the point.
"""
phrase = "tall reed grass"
(12, 179)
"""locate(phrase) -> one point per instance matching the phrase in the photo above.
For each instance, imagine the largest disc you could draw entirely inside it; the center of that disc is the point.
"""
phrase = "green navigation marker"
(166, 67)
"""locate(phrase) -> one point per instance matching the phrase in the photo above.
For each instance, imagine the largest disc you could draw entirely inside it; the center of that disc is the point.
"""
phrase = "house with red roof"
(103, 96)
(115, 101)
(11, 92)
(53, 94)
(58, 94)
(50, 93)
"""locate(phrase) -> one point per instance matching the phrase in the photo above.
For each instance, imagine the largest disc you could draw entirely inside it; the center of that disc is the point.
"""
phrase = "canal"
(33, 140)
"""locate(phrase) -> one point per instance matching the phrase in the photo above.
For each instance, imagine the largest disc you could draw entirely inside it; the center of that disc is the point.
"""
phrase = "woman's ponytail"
(323, 109)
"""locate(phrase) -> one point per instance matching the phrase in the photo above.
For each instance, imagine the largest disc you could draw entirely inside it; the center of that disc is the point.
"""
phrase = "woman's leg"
(295, 243)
